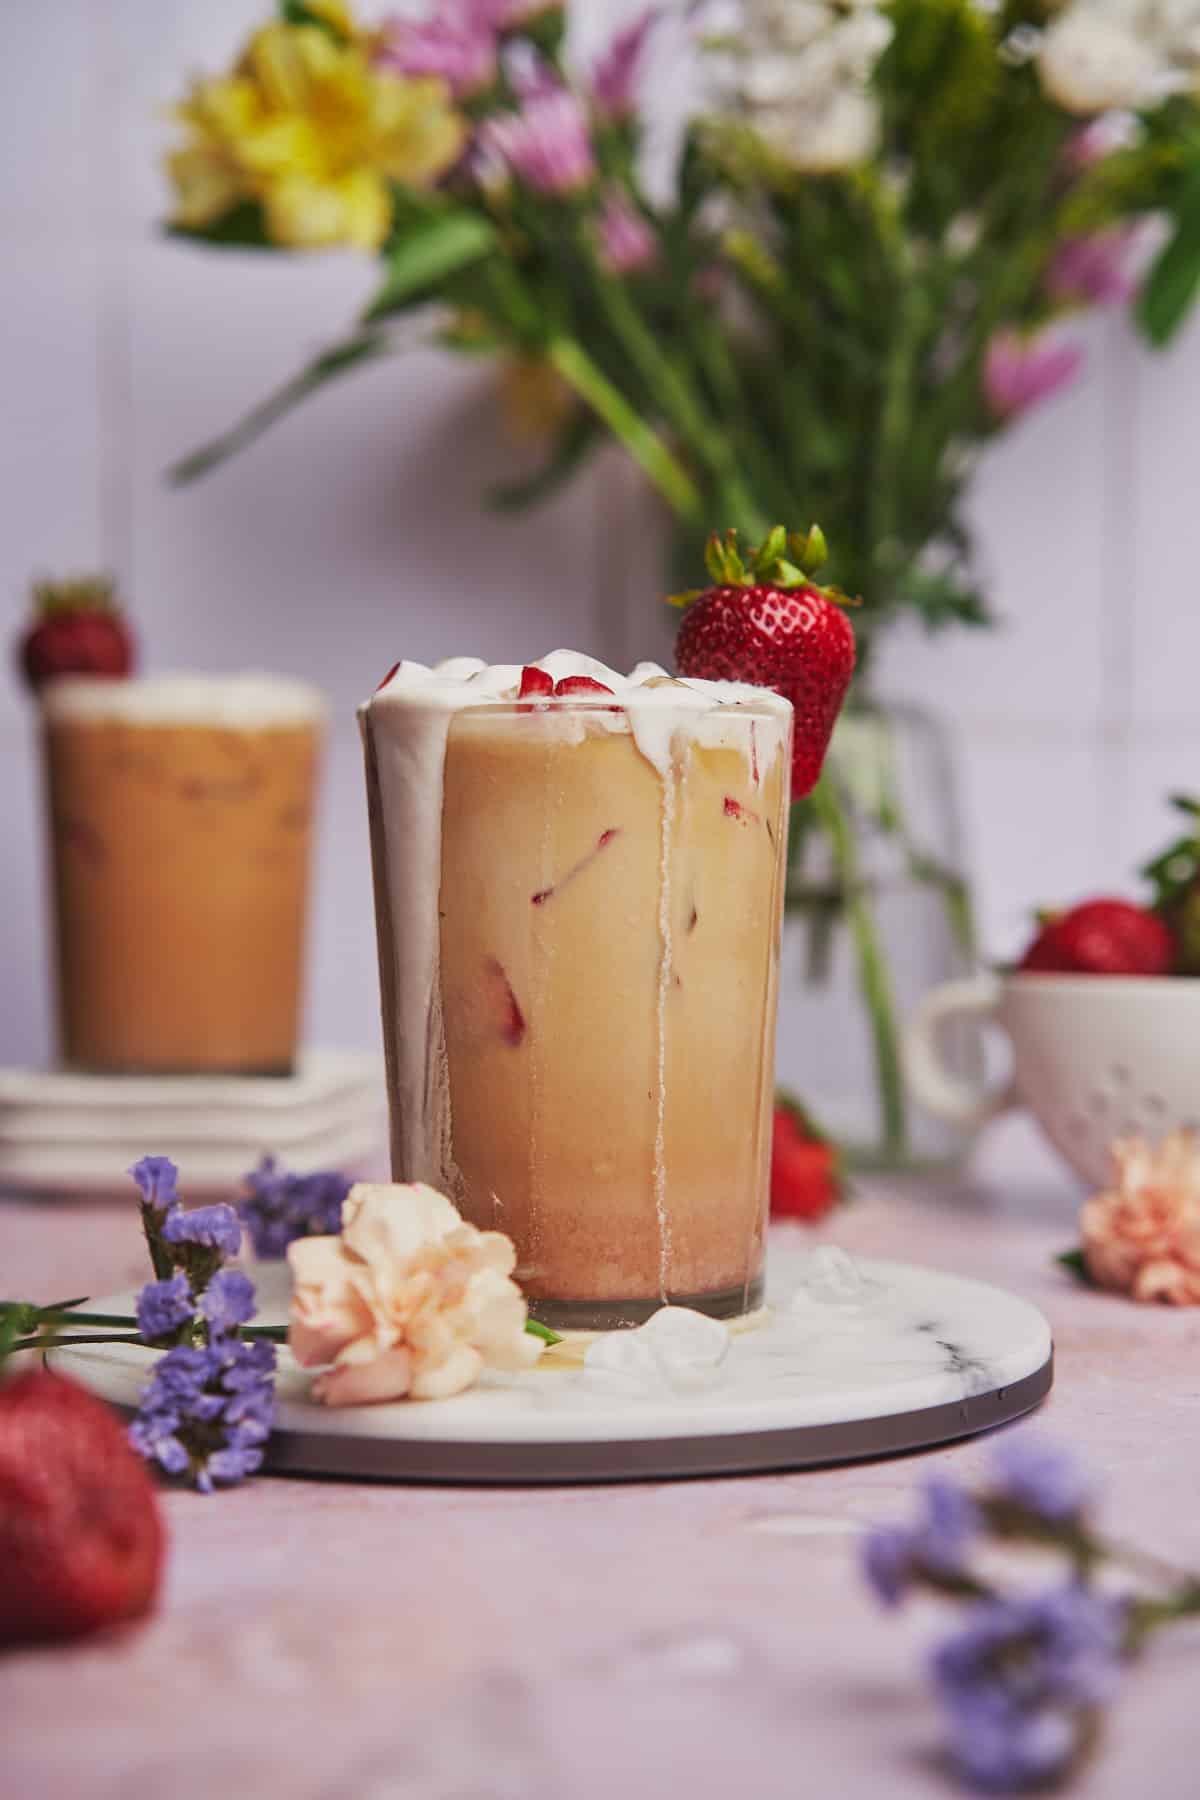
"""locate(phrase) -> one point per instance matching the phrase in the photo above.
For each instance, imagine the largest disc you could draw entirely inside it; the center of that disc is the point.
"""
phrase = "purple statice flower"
(227, 1302)
(1019, 371)
(546, 144)
(280, 1207)
(614, 77)
(205, 1227)
(889, 1562)
(627, 242)
(1022, 1680)
(208, 1410)
(458, 46)
(1093, 270)
(895, 1555)
(163, 1307)
(156, 1176)
(1041, 1478)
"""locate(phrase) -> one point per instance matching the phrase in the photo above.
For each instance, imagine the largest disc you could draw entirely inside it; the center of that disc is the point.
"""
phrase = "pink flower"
(546, 144)
(409, 1302)
(627, 242)
(1093, 271)
(1142, 1236)
(1019, 371)
(1098, 139)
(614, 78)
(459, 46)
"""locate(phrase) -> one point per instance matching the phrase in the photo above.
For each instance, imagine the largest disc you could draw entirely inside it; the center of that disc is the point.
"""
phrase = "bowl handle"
(948, 1096)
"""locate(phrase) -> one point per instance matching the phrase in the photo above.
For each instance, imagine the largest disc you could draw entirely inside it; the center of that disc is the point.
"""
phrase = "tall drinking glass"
(180, 814)
(579, 907)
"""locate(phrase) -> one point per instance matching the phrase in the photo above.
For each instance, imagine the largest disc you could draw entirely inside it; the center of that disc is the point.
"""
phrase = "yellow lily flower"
(309, 129)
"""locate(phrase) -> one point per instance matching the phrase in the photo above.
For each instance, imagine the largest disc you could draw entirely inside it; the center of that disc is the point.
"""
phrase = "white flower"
(824, 140)
(410, 1301)
(1090, 63)
(803, 78)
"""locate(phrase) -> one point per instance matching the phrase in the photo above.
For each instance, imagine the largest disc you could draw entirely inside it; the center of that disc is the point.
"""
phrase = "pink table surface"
(357, 1642)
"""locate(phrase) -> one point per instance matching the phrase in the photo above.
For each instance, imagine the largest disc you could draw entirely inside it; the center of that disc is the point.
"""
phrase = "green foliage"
(1074, 1262)
(363, 347)
(295, 12)
(1173, 279)
(801, 344)
(425, 256)
(241, 228)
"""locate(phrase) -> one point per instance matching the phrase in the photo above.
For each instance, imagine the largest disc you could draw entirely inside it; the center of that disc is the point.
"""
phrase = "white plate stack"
(71, 1134)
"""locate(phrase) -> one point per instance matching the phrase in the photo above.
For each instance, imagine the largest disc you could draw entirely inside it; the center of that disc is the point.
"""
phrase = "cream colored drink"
(579, 905)
(180, 813)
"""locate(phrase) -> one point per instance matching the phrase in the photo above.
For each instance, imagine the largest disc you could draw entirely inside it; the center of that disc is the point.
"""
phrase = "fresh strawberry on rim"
(765, 621)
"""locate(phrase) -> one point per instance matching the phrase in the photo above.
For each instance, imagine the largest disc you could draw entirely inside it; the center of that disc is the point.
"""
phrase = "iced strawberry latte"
(579, 883)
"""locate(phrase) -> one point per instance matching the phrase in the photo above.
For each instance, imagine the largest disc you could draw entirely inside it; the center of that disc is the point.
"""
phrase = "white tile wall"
(354, 532)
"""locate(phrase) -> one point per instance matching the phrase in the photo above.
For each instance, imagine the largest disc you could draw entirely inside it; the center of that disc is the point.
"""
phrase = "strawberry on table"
(81, 1537)
(77, 629)
(1105, 936)
(806, 1173)
(765, 621)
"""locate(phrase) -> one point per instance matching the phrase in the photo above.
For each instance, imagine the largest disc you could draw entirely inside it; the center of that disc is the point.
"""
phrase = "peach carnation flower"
(410, 1301)
(1142, 1236)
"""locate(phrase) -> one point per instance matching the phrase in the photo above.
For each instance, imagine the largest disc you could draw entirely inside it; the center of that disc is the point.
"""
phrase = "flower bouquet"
(862, 266)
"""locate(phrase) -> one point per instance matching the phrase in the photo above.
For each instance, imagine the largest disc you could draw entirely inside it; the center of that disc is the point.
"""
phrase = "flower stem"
(874, 978)
(644, 445)
(64, 1343)
(1146, 1616)
(91, 1318)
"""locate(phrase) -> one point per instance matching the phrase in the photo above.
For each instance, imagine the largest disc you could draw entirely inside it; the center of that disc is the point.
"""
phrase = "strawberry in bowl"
(1102, 937)
(1102, 1016)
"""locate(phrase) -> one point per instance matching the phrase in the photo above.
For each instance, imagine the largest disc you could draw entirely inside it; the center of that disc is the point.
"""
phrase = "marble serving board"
(850, 1359)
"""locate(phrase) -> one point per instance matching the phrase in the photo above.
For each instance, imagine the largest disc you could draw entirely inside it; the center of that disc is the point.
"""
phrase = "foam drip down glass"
(180, 814)
(578, 904)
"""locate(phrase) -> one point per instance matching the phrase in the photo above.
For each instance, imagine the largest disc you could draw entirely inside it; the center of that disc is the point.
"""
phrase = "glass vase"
(877, 913)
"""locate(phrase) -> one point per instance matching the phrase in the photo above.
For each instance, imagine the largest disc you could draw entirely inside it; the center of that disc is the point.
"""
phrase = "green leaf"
(427, 255)
(363, 347)
(294, 12)
(578, 437)
(243, 227)
(816, 550)
(772, 550)
(1172, 282)
(1074, 1263)
(538, 1330)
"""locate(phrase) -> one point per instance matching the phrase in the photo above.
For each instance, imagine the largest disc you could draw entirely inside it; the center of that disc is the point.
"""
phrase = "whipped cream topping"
(653, 704)
(405, 727)
(241, 702)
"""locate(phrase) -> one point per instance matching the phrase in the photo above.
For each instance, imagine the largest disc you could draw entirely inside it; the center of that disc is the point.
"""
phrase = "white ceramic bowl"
(1094, 1057)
